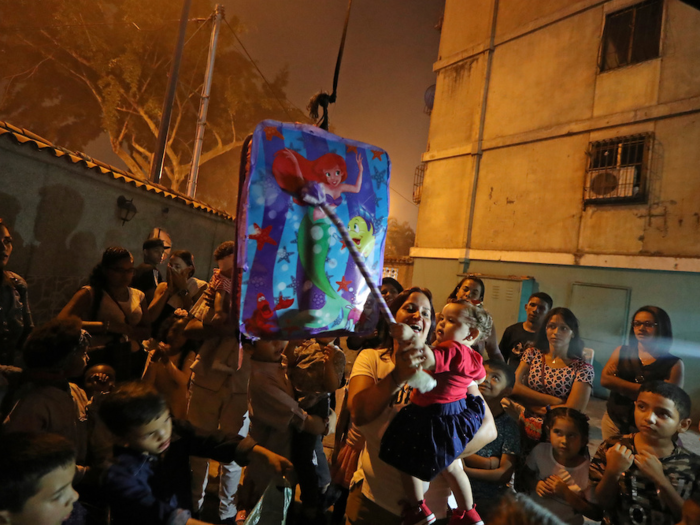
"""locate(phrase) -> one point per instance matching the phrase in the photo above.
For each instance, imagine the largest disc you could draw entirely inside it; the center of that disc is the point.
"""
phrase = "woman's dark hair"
(131, 405)
(664, 333)
(576, 343)
(453, 295)
(396, 305)
(25, 458)
(98, 276)
(186, 257)
(579, 419)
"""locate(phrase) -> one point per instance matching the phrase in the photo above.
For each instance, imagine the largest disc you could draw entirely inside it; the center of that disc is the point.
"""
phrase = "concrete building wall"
(62, 216)
(525, 171)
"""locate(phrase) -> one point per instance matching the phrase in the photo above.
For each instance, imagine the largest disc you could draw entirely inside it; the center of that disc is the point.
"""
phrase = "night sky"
(387, 67)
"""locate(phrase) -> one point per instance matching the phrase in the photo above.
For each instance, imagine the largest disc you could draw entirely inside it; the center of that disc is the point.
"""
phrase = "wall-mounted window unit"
(617, 170)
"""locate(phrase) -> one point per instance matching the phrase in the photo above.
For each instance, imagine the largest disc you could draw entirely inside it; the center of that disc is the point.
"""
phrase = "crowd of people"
(114, 411)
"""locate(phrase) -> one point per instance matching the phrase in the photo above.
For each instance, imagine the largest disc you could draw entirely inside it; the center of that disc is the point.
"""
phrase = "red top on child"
(456, 367)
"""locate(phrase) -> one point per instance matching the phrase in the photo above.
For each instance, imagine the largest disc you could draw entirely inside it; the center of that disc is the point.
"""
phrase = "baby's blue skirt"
(423, 441)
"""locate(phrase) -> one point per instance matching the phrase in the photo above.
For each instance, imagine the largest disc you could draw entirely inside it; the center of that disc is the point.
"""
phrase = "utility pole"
(204, 103)
(157, 164)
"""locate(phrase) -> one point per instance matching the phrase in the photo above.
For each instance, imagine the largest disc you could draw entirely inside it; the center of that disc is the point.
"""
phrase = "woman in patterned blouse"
(553, 372)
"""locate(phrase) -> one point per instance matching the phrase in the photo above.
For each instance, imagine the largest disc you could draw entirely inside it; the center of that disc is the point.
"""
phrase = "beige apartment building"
(564, 156)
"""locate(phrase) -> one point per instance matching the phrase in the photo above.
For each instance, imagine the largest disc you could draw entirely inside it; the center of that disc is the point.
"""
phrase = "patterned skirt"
(423, 441)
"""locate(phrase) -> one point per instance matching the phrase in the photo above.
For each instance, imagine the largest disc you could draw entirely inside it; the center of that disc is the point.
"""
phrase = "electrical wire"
(250, 59)
(404, 198)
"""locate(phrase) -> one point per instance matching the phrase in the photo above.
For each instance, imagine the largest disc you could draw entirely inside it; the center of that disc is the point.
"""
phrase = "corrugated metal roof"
(23, 136)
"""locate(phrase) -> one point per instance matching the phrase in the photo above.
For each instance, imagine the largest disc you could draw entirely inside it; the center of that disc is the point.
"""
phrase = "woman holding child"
(646, 358)
(552, 373)
(377, 392)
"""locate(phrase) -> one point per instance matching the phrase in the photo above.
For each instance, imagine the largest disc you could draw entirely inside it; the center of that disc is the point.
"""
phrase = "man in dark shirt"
(519, 335)
(146, 275)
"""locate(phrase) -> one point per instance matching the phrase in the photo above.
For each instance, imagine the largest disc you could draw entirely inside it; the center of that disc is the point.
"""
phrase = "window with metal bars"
(632, 35)
(418, 182)
(617, 169)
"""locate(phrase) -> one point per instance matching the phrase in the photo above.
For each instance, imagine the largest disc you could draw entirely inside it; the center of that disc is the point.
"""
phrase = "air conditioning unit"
(612, 183)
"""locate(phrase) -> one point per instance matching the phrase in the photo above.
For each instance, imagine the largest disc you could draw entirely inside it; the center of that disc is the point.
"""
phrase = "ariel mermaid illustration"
(292, 171)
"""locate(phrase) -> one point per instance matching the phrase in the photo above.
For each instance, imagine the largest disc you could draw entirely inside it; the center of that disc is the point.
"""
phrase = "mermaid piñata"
(292, 171)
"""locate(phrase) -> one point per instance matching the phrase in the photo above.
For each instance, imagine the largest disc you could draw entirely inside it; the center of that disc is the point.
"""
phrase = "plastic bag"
(272, 507)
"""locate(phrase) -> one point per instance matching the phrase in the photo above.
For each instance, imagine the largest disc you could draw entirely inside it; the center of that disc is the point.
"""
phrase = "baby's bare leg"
(458, 481)
(413, 488)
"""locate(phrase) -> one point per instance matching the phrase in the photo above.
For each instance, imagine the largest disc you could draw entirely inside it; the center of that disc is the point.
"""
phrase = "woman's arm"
(486, 433)
(578, 397)
(79, 306)
(677, 376)
(142, 330)
(526, 393)
(197, 331)
(609, 379)
(367, 399)
(160, 299)
(492, 346)
(500, 475)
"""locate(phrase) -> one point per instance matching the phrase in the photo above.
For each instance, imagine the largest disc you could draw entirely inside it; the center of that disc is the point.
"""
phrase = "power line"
(404, 198)
(250, 59)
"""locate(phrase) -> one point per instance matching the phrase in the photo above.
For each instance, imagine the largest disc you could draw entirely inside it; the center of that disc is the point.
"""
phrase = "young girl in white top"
(558, 469)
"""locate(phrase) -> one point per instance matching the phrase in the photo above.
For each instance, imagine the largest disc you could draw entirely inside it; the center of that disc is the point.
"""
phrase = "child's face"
(657, 417)
(495, 386)
(454, 324)
(226, 265)
(153, 437)
(52, 504)
(559, 334)
(100, 378)
(470, 290)
(536, 310)
(268, 351)
(566, 439)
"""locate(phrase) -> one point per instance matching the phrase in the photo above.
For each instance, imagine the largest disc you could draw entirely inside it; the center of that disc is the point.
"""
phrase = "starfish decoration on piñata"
(378, 177)
(343, 284)
(377, 154)
(284, 255)
(262, 236)
(351, 149)
(377, 200)
(271, 131)
(295, 284)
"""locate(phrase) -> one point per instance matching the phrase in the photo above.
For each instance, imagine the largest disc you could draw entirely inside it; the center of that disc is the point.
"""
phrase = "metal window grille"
(617, 169)
(418, 183)
(632, 35)
(391, 272)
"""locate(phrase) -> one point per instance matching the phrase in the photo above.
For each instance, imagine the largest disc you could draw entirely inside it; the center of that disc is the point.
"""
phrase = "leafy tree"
(400, 238)
(74, 69)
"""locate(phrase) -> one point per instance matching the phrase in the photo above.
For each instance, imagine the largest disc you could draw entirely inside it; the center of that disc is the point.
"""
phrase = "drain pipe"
(482, 121)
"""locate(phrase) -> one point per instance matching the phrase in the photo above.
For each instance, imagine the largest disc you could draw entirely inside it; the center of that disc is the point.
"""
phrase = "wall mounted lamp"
(127, 210)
